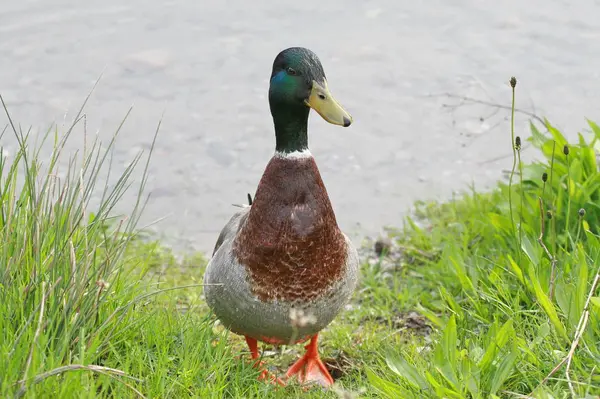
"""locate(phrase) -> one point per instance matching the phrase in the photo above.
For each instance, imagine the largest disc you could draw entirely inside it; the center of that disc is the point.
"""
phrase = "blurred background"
(404, 70)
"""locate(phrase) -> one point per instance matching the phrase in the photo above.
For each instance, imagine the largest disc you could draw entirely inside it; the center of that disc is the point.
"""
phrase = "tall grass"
(513, 320)
(64, 293)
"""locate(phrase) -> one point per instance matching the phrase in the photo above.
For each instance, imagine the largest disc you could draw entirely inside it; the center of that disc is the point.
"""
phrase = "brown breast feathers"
(291, 244)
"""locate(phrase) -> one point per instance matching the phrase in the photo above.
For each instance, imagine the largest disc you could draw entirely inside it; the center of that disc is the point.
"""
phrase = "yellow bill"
(322, 101)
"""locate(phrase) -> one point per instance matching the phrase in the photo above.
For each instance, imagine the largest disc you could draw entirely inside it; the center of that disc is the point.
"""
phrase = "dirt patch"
(389, 254)
(338, 365)
(408, 322)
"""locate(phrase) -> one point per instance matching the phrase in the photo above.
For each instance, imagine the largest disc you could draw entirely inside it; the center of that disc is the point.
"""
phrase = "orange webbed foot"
(309, 368)
(265, 375)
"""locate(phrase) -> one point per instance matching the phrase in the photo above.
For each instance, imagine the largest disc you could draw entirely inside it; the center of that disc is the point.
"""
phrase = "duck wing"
(232, 227)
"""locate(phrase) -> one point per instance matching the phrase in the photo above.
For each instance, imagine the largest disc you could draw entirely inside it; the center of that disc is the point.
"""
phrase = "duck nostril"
(322, 96)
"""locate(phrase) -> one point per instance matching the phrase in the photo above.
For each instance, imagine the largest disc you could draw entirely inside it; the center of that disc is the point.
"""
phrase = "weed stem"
(513, 83)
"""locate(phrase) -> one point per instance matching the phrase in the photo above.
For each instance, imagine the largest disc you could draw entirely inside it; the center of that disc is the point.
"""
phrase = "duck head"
(297, 84)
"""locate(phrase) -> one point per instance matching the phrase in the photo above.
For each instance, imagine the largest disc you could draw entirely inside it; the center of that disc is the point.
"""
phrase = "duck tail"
(244, 205)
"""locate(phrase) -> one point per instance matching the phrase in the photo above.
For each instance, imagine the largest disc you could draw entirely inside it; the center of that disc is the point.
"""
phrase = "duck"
(281, 269)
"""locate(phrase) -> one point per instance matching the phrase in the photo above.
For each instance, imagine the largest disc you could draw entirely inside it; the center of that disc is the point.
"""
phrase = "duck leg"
(264, 375)
(310, 368)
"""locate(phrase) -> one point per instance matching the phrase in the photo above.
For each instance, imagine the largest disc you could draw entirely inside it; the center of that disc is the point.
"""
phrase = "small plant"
(511, 316)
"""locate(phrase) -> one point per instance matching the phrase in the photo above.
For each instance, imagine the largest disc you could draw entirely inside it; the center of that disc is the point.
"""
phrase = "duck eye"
(291, 71)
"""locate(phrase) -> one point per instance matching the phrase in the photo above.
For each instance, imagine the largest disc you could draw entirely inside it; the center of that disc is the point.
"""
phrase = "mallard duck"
(282, 269)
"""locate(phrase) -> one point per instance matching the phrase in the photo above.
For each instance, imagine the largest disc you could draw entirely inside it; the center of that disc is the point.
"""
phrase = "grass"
(479, 297)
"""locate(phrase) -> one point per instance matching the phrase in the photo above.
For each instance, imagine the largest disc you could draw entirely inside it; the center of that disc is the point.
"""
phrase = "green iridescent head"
(298, 83)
